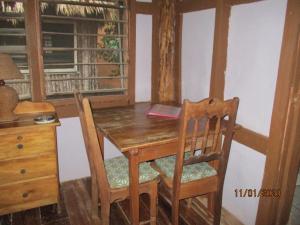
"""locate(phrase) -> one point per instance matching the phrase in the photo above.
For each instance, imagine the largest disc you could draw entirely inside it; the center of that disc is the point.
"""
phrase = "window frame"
(66, 107)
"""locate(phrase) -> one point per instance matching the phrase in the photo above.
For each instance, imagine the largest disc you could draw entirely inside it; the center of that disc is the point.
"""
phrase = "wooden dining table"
(139, 137)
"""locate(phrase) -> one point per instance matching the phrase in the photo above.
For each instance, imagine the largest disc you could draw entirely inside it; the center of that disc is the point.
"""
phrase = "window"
(84, 46)
(13, 42)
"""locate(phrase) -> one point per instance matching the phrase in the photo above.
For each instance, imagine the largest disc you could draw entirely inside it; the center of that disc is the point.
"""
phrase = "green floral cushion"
(190, 172)
(118, 173)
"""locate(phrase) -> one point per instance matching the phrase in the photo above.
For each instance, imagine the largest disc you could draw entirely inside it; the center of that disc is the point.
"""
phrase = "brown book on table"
(167, 111)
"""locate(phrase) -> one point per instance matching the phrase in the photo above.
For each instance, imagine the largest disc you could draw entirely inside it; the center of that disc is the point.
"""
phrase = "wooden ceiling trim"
(195, 5)
(239, 2)
(144, 8)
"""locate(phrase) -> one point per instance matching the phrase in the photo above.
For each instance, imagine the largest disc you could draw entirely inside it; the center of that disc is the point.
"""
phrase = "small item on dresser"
(44, 119)
(167, 111)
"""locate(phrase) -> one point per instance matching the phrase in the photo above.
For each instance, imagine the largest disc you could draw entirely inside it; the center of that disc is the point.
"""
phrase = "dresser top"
(27, 120)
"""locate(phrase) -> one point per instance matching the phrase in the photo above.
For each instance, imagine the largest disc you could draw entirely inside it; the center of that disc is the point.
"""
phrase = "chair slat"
(202, 158)
(194, 137)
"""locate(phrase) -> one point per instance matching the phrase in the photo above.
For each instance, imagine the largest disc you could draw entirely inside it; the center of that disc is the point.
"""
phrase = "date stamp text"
(256, 193)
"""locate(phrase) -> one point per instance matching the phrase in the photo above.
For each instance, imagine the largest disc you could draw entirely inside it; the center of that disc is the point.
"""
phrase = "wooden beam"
(195, 5)
(276, 160)
(144, 8)
(219, 60)
(132, 51)
(155, 52)
(238, 2)
(35, 56)
(251, 139)
(178, 47)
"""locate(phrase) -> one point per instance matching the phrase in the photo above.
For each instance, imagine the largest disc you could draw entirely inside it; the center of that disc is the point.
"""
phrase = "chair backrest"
(201, 127)
(92, 145)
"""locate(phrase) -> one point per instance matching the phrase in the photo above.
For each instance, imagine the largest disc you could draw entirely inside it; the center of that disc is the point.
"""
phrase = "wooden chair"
(110, 179)
(187, 174)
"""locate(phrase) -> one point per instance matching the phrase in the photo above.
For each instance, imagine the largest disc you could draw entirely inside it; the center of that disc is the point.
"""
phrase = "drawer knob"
(19, 138)
(23, 171)
(25, 195)
(20, 146)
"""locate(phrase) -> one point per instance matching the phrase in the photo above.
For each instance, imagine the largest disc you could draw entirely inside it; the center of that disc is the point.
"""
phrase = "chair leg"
(105, 212)
(211, 202)
(153, 204)
(95, 198)
(175, 212)
(217, 208)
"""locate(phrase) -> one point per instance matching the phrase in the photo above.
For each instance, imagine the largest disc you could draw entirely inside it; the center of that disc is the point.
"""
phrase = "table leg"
(134, 186)
(101, 142)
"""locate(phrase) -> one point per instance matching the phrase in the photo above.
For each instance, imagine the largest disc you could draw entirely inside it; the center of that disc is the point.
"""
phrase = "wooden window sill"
(67, 108)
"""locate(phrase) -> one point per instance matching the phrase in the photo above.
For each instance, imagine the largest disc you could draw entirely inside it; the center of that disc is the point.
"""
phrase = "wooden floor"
(76, 211)
(295, 210)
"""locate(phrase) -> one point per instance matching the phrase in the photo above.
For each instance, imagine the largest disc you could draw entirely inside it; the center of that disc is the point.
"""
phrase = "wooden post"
(178, 46)
(132, 49)
(166, 91)
(280, 154)
(155, 52)
(217, 82)
(35, 52)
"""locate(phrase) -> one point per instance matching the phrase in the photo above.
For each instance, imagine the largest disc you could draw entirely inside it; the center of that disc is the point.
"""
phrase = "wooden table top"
(129, 127)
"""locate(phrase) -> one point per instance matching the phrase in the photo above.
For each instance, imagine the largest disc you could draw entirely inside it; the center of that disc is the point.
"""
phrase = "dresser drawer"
(22, 144)
(27, 168)
(28, 193)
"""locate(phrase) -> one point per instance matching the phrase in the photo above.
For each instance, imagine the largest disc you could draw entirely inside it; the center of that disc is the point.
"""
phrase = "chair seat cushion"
(190, 172)
(118, 173)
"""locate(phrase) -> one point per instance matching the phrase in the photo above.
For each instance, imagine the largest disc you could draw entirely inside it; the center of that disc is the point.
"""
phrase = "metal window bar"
(3, 17)
(86, 78)
(82, 49)
(110, 90)
(87, 35)
(74, 18)
(72, 64)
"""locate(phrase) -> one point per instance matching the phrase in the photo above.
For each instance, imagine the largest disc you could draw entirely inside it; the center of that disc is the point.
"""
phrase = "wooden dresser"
(28, 165)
